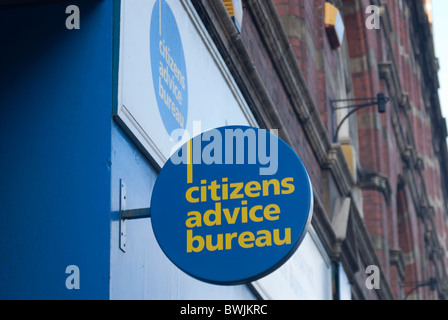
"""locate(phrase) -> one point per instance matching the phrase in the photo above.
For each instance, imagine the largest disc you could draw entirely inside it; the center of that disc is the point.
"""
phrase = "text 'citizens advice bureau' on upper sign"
(168, 67)
(231, 205)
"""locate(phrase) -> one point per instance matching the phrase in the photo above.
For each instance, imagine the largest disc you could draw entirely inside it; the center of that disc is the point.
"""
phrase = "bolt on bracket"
(128, 215)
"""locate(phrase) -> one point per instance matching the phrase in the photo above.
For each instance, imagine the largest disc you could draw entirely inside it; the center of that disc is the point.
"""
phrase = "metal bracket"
(122, 221)
(380, 101)
(136, 214)
(128, 215)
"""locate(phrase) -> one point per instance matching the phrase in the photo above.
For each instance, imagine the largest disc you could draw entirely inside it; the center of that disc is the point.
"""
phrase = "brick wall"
(280, 97)
(378, 148)
(392, 220)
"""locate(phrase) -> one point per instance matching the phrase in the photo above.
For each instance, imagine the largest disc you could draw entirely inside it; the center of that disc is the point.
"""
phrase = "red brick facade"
(391, 167)
(393, 221)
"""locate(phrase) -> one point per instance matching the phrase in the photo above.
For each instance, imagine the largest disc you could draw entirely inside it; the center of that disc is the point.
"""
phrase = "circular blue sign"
(231, 205)
(169, 72)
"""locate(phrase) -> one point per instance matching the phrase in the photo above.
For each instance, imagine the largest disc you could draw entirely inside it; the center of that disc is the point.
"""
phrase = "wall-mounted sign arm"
(380, 101)
(126, 214)
(135, 214)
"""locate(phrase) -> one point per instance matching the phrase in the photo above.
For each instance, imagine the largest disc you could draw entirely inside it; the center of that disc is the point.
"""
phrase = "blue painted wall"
(55, 144)
(61, 160)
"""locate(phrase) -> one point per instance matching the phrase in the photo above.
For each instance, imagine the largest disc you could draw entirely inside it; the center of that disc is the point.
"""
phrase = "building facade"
(82, 126)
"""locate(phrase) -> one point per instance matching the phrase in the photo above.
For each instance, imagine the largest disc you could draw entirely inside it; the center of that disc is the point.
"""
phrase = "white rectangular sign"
(171, 76)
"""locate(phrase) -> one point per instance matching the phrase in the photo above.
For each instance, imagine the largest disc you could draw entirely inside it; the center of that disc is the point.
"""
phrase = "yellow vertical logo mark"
(190, 161)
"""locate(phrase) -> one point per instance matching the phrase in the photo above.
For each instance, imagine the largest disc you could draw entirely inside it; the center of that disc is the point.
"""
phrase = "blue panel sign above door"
(231, 205)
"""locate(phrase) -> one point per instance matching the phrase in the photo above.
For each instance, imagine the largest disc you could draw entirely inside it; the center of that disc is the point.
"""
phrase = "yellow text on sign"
(246, 240)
